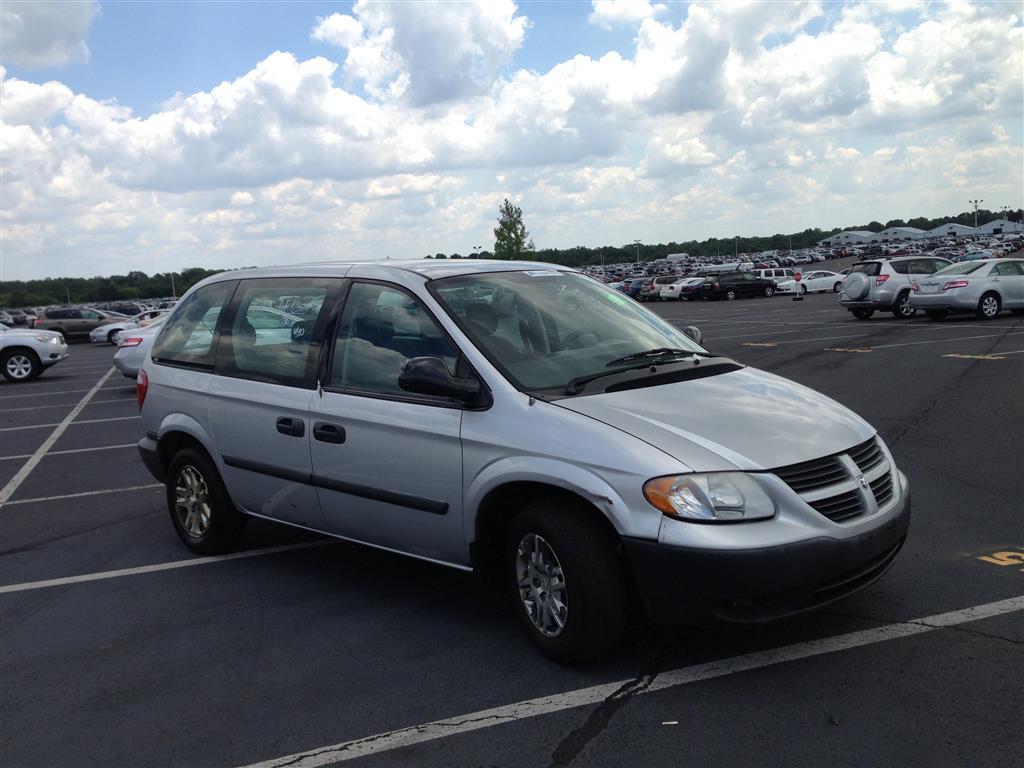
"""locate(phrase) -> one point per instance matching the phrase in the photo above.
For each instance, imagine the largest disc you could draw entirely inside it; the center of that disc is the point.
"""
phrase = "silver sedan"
(133, 345)
(985, 287)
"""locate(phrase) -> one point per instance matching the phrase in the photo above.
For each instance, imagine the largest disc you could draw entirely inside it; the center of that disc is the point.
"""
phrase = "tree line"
(512, 240)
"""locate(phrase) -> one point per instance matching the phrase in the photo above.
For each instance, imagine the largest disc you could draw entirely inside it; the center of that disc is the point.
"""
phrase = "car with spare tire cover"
(522, 420)
(886, 285)
(733, 285)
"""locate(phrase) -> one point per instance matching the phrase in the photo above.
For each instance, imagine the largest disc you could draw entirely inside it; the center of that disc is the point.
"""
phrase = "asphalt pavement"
(119, 648)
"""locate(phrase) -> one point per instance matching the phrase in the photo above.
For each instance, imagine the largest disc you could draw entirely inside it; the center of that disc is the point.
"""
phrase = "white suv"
(885, 284)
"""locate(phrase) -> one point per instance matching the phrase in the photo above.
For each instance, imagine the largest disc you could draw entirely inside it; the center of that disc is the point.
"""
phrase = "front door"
(259, 400)
(388, 464)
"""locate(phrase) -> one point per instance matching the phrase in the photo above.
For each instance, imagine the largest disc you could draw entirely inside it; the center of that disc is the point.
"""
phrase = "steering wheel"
(580, 339)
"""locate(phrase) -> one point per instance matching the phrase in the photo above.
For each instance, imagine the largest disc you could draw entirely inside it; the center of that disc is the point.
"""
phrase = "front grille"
(810, 475)
(841, 508)
(882, 489)
(867, 455)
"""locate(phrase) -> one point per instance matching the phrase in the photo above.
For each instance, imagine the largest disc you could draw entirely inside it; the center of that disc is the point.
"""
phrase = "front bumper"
(680, 585)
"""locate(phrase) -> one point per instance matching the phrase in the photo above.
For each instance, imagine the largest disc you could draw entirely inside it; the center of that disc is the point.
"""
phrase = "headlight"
(711, 498)
(48, 339)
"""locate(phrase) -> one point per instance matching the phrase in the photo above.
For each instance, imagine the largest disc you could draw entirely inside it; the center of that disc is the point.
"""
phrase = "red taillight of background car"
(956, 284)
(131, 341)
(881, 279)
(914, 286)
(141, 387)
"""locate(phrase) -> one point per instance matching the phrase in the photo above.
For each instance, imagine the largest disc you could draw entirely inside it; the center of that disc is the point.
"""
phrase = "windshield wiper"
(573, 386)
(654, 354)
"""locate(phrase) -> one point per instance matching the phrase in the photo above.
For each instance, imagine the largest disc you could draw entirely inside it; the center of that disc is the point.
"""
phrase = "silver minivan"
(522, 420)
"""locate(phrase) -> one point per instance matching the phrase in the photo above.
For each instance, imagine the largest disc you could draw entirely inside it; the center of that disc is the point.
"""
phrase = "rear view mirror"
(694, 333)
(429, 376)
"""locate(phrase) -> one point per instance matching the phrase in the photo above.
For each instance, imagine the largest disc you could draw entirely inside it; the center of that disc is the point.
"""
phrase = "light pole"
(637, 244)
(736, 246)
(476, 251)
(174, 292)
(975, 203)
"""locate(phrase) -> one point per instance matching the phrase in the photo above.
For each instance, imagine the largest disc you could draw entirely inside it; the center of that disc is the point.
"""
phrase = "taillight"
(132, 341)
(955, 284)
(881, 279)
(141, 387)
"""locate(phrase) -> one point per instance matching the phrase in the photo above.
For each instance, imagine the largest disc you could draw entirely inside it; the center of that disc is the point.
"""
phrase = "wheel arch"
(179, 431)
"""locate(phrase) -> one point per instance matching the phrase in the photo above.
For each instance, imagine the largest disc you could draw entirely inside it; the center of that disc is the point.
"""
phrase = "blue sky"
(160, 135)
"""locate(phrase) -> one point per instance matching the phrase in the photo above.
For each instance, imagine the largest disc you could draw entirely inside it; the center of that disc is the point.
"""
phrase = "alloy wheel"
(990, 306)
(192, 501)
(541, 585)
(19, 366)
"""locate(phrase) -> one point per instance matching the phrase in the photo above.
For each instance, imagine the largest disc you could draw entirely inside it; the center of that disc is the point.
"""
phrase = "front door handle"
(328, 433)
(291, 427)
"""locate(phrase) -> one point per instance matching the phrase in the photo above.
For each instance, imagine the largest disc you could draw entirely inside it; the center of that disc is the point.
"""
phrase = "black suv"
(730, 285)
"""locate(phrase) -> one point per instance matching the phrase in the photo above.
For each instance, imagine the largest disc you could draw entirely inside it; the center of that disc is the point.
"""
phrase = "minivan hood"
(747, 419)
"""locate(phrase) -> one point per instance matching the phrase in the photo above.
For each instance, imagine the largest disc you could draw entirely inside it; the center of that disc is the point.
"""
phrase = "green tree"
(511, 240)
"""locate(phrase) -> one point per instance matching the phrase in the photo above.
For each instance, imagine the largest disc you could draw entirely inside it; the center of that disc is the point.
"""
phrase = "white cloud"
(607, 13)
(46, 34)
(427, 52)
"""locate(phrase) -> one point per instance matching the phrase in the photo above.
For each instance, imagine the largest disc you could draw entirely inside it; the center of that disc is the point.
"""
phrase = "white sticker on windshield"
(543, 273)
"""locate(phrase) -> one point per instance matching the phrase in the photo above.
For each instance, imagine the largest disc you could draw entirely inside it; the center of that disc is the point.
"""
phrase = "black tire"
(592, 574)
(803, 290)
(901, 309)
(110, 337)
(862, 313)
(20, 365)
(224, 523)
(837, 287)
(768, 291)
(936, 314)
(989, 306)
(730, 295)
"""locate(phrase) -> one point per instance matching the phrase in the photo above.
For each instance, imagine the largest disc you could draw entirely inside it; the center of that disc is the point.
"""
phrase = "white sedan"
(26, 352)
(820, 280)
(105, 334)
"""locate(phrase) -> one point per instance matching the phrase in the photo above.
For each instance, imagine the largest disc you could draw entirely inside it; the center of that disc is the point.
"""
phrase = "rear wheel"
(20, 365)
(902, 310)
(936, 314)
(201, 510)
(862, 314)
(989, 306)
(566, 580)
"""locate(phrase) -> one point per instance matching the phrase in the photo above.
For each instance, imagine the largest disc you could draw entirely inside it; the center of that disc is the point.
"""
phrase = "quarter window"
(187, 337)
(381, 328)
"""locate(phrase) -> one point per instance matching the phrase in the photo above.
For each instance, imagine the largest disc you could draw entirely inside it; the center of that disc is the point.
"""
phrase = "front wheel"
(902, 310)
(803, 289)
(730, 295)
(20, 365)
(110, 337)
(837, 287)
(768, 291)
(988, 306)
(861, 313)
(201, 510)
(567, 582)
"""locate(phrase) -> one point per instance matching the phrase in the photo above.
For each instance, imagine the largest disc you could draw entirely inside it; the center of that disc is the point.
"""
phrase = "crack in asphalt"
(573, 743)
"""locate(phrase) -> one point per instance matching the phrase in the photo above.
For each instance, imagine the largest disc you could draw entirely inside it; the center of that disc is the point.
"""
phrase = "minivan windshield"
(547, 328)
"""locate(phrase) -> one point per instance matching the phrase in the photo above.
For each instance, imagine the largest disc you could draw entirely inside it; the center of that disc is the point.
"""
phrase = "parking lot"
(118, 648)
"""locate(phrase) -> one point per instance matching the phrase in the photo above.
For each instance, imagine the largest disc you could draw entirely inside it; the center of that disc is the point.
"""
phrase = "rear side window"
(271, 331)
(900, 267)
(187, 337)
(1007, 268)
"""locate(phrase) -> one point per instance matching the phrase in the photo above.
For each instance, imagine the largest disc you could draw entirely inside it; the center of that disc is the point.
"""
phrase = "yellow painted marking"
(1005, 557)
(847, 349)
(760, 344)
(976, 357)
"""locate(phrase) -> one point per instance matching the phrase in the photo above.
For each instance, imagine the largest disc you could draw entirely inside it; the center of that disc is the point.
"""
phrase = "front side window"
(88, 314)
(270, 334)
(544, 328)
(187, 337)
(382, 327)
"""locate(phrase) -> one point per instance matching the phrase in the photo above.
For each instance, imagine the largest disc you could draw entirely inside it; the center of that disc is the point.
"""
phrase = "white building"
(1000, 227)
(849, 237)
(898, 235)
(952, 229)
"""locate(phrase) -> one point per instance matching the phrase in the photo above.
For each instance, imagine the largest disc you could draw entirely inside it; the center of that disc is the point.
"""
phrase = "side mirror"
(694, 333)
(429, 376)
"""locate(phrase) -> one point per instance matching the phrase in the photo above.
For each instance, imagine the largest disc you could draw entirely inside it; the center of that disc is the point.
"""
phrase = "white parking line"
(15, 482)
(37, 499)
(45, 393)
(29, 585)
(72, 450)
(58, 405)
(938, 341)
(417, 734)
(83, 421)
